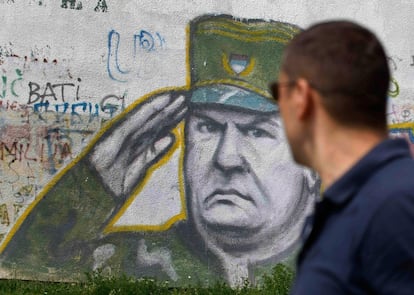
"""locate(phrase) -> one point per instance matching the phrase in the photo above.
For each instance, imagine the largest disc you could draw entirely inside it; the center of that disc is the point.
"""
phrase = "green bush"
(276, 283)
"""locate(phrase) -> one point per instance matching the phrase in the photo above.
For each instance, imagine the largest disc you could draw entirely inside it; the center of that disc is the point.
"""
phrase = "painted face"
(239, 171)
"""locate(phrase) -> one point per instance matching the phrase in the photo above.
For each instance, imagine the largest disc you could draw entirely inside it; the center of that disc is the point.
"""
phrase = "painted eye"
(257, 133)
(206, 127)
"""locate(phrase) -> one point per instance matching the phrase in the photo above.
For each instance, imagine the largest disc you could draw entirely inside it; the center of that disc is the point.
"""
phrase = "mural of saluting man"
(243, 200)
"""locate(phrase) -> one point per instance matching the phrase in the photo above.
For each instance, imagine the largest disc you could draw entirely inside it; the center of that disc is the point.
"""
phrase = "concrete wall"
(122, 151)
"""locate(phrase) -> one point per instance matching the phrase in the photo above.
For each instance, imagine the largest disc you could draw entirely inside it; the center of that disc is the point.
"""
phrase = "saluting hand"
(137, 141)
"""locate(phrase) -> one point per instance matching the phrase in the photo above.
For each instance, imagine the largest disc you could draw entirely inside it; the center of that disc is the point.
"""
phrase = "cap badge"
(238, 64)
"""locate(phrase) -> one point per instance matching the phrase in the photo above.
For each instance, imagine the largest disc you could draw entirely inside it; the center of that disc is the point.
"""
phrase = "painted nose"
(228, 156)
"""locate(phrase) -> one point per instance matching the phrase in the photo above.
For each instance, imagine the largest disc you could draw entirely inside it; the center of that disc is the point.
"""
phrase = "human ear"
(303, 98)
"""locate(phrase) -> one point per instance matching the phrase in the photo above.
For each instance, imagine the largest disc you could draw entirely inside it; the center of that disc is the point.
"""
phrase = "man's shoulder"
(387, 192)
(390, 194)
(387, 189)
(393, 180)
(370, 230)
(386, 250)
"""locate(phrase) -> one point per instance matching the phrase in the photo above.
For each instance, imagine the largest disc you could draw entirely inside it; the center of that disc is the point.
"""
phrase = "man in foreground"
(332, 94)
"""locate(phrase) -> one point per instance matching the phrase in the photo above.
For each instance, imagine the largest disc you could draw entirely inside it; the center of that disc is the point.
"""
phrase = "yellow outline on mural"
(83, 153)
(405, 125)
(247, 39)
(111, 227)
(250, 28)
(187, 54)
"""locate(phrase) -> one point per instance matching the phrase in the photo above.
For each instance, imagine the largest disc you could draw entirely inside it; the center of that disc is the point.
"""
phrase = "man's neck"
(338, 149)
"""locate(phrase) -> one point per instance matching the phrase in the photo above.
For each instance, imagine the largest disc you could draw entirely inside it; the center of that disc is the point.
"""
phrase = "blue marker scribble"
(113, 49)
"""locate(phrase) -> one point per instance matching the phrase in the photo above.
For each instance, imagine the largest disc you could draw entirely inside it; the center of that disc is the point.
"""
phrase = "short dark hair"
(347, 64)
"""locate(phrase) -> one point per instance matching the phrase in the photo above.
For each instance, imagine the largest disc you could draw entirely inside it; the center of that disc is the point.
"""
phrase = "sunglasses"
(274, 88)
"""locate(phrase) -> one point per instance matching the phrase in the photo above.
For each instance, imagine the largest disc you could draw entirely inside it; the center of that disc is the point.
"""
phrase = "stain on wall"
(152, 147)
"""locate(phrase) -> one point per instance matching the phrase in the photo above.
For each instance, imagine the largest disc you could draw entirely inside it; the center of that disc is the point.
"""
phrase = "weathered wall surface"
(136, 136)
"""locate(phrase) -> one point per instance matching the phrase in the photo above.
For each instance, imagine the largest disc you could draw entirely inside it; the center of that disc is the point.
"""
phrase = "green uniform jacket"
(62, 239)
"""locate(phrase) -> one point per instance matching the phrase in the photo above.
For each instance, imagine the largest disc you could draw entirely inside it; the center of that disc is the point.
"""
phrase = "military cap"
(232, 61)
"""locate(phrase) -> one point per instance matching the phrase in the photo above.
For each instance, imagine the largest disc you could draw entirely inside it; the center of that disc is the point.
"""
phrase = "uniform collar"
(345, 187)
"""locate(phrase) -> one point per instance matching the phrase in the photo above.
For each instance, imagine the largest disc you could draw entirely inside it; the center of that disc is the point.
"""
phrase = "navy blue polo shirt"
(360, 239)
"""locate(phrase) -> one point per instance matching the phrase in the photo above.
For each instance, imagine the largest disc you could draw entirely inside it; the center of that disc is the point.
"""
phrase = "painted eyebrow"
(206, 118)
(258, 121)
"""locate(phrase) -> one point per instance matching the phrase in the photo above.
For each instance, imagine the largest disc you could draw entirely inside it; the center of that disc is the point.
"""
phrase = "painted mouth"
(231, 197)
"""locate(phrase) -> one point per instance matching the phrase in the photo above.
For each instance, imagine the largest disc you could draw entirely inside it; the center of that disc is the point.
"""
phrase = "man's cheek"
(204, 155)
(281, 153)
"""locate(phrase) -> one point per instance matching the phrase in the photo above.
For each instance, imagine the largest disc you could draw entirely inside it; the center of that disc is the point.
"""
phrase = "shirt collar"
(345, 187)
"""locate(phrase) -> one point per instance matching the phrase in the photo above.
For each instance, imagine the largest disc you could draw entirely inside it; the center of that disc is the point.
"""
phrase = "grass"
(276, 283)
